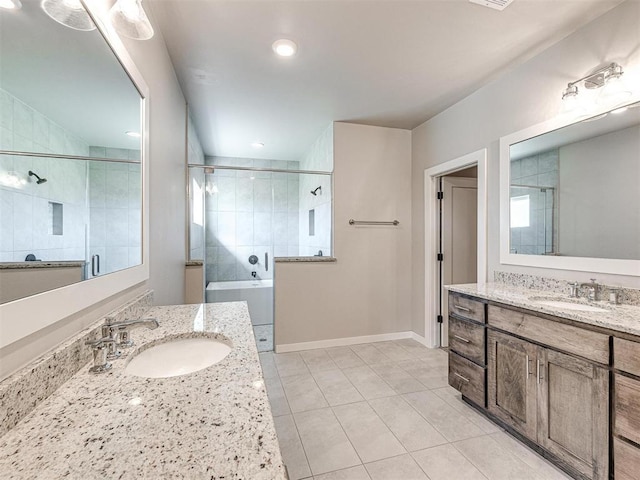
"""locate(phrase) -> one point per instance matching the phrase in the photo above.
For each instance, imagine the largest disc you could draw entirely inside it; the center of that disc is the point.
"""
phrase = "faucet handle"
(100, 353)
(593, 280)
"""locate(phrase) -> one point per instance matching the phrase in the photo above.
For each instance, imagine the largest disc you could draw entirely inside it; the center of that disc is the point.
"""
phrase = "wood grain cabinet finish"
(626, 401)
(568, 338)
(626, 460)
(466, 307)
(626, 356)
(573, 411)
(467, 377)
(467, 339)
(511, 382)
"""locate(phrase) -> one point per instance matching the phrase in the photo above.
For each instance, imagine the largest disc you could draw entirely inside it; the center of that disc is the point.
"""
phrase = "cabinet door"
(573, 413)
(512, 382)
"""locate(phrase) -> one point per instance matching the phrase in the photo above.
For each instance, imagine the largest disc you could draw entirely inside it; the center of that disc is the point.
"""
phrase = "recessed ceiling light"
(10, 4)
(285, 47)
(132, 134)
(257, 145)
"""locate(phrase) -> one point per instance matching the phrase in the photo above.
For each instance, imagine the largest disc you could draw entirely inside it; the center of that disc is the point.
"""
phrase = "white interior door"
(459, 238)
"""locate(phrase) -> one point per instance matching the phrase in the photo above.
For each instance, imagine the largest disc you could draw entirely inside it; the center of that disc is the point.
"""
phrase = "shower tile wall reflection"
(529, 176)
(250, 213)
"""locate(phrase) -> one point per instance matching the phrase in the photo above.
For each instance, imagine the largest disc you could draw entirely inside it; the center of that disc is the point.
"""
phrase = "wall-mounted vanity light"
(127, 16)
(608, 79)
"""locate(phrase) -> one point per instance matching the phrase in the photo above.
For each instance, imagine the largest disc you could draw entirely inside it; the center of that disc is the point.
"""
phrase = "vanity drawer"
(627, 407)
(626, 356)
(467, 377)
(585, 343)
(467, 339)
(626, 460)
(466, 307)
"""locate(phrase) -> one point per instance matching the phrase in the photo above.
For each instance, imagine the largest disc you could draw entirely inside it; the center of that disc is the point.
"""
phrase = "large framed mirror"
(570, 194)
(73, 168)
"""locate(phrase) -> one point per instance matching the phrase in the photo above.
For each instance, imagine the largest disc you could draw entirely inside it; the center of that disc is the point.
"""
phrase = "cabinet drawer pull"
(461, 339)
(460, 376)
(464, 309)
(539, 372)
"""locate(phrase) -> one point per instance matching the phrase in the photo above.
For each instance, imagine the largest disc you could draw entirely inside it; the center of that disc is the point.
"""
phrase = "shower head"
(315, 192)
(40, 180)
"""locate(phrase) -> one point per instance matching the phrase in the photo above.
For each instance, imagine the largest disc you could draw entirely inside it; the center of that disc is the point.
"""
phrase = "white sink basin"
(581, 307)
(177, 357)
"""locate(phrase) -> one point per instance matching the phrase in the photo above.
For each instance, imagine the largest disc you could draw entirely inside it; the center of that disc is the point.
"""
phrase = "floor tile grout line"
(304, 450)
(453, 444)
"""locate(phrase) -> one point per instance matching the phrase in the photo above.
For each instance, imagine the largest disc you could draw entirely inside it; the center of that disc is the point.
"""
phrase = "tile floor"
(384, 411)
(264, 337)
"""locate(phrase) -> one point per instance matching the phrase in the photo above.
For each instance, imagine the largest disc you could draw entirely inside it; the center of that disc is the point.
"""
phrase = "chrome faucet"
(100, 348)
(593, 289)
(574, 290)
(119, 331)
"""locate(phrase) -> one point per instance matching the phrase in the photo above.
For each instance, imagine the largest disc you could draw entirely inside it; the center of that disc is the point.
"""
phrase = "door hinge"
(440, 257)
(439, 318)
(440, 195)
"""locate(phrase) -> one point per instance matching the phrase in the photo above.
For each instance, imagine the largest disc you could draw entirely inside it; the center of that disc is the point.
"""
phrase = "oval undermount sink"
(177, 357)
(581, 307)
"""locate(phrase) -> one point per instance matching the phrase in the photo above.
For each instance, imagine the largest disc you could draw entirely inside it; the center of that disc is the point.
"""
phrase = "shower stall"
(244, 214)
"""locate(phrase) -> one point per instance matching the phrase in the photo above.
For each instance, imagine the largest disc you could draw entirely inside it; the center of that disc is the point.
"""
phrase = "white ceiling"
(391, 63)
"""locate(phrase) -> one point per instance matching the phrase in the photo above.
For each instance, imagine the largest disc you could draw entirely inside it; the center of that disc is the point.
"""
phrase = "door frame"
(431, 286)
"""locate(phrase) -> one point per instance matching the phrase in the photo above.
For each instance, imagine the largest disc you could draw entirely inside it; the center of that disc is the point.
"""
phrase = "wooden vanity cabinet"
(467, 347)
(626, 409)
(511, 382)
(557, 400)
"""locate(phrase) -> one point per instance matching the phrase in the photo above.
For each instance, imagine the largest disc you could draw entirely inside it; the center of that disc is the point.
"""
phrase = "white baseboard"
(341, 342)
(422, 340)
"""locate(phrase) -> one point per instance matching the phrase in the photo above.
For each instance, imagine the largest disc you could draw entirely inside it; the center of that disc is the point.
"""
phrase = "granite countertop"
(215, 423)
(42, 264)
(622, 318)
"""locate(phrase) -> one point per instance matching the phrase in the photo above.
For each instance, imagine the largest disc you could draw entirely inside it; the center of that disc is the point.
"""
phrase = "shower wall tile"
(22, 119)
(251, 214)
(244, 195)
(6, 110)
(262, 228)
(226, 228)
(244, 228)
(263, 197)
(6, 139)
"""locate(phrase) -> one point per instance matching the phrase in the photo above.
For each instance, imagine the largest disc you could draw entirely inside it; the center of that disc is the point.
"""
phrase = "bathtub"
(257, 293)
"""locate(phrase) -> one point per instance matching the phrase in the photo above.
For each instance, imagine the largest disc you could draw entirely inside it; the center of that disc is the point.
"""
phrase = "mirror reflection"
(64, 101)
(575, 191)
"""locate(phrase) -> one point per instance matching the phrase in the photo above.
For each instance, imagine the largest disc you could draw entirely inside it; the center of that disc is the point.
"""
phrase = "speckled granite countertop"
(215, 423)
(623, 318)
(42, 264)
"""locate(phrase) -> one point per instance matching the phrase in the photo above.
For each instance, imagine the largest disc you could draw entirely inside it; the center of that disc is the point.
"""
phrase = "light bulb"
(614, 91)
(75, 4)
(285, 47)
(129, 19)
(10, 4)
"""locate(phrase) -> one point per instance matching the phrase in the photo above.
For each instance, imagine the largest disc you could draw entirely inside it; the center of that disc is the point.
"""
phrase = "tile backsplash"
(21, 392)
(628, 296)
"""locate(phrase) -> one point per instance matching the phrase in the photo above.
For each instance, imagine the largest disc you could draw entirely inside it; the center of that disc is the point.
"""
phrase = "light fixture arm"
(598, 77)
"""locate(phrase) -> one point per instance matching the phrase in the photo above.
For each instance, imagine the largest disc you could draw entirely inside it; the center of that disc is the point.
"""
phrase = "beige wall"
(167, 212)
(367, 291)
(527, 95)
